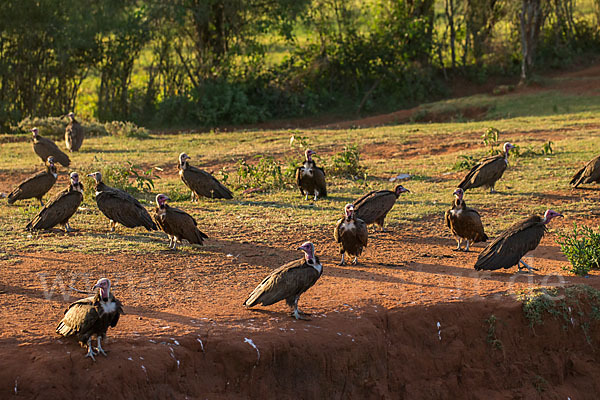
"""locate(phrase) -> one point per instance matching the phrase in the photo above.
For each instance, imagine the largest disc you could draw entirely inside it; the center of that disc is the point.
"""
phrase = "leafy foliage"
(530, 151)
(265, 174)
(464, 162)
(490, 138)
(127, 129)
(128, 177)
(582, 249)
(347, 164)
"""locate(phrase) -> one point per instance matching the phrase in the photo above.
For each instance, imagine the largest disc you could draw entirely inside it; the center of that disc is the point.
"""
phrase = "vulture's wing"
(62, 206)
(511, 245)
(79, 317)
(362, 235)
(30, 186)
(123, 208)
(51, 149)
(337, 231)
(185, 225)
(117, 313)
(319, 179)
(287, 280)
(589, 173)
(376, 205)
(487, 171)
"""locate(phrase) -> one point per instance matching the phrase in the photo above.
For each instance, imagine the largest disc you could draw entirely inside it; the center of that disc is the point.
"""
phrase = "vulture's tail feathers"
(576, 180)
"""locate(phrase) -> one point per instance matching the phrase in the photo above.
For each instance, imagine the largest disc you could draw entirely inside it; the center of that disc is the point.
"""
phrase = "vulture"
(464, 222)
(60, 208)
(374, 206)
(588, 174)
(288, 282)
(351, 233)
(200, 182)
(487, 171)
(512, 244)
(92, 316)
(310, 178)
(121, 207)
(36, 185)
(73, 134)
(176, 223)
(45, 148)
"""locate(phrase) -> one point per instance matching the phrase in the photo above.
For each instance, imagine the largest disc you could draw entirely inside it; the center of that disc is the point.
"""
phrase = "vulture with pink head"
(92, 316)
(590, 173)
(200, 182)
(487, 171)
(464, 222)
(288, 282)
(74, 134)
(45, 148)
(176, 223)
(351, 234)
(374, 206)
(512, 244)
(36, 185)
(310, 178)
(60, 208)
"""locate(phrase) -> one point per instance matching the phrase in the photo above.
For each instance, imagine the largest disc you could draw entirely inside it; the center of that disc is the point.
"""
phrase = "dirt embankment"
(373, 353)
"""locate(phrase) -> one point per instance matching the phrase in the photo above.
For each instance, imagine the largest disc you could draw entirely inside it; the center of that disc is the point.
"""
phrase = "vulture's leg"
(297, 313)
(112, 225)
(316, 194)
(41, 202)
(526, 266)
(90, 352)
(492, 190)
(100, 349)
(343, 261)
(458, 243)
(174, 243)
(467, 248)
(68, 228)
(306, 197)
(355, 261)
(170, 241)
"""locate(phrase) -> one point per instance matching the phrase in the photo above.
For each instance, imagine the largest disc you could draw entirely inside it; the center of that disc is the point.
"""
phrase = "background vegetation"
(214, 62)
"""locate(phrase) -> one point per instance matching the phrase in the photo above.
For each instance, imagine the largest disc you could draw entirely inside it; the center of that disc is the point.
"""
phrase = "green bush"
(127, 129)
(347, 164)
(128, 177)
(582, 249)
(54, 127)
(465, 162)
(530, 151)
(265, 174)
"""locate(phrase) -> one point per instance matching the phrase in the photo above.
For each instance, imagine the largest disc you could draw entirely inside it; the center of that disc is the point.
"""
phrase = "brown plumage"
(588, 174)
(121, 207)
(200, 182)
(351, 234)
(176, 223)
(512, 244)
(92, 316)
(374, 206)
(45, 148)
(74, 134)
(288, 282)
(60, 208)
(36, 185)
(464, 222)
(310, 178)
(487, 171)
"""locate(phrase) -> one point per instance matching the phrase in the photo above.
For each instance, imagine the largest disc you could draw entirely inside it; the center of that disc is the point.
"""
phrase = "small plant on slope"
(582, 248)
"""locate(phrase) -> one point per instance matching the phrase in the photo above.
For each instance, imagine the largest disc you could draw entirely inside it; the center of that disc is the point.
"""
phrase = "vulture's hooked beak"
(103, 292)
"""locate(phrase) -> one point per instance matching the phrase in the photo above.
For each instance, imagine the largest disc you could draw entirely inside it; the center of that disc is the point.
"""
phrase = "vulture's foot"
(343, 261)
(100, 349)
(300, 315)
(529, 269)
(355, 261)
(90, 352)
(41, 202)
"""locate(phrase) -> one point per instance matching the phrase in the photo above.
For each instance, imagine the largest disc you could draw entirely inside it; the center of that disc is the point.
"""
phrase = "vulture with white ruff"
(512, 244)
(92, 316)
(121, 207)
(288, 282)
(200, 182)
(73, 134)
(487, 171)
(374, 206)
(36, 185)
(310, 178)
(45, 148)
(351, 234)
(464, 222)
(60, 208)
(176, 223)
(590, 173)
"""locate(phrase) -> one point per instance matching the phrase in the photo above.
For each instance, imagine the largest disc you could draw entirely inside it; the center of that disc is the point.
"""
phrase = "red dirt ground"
(374, 330)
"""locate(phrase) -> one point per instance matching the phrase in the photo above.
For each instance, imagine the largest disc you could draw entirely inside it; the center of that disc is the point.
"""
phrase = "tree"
(531, 20)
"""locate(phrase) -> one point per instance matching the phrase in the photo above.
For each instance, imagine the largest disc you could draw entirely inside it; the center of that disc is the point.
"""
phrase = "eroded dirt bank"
(368, 353)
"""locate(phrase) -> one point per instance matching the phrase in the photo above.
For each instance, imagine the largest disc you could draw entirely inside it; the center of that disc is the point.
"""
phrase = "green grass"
(267, 215)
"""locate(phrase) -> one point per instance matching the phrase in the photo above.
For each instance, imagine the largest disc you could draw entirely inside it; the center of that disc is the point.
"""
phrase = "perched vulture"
(60, 208)
(310, 178)
(45, 148)
(91, 317)
(588, 174)
(200, 182)
(120, 207)
(512, 244)
(487, 171)
(73, 134)
(374, 206)
(288, 282)
(176, 223)
(36, 185)
(464, 222)
(351, 233)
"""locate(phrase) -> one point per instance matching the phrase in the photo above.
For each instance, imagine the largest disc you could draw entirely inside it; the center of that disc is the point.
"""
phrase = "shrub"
(582, 249)
(128, 177)
(265, 174)
(54, 127)
(464, 162)
(347, 164)
(127, 129)
(530, 151)
(490, 138)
